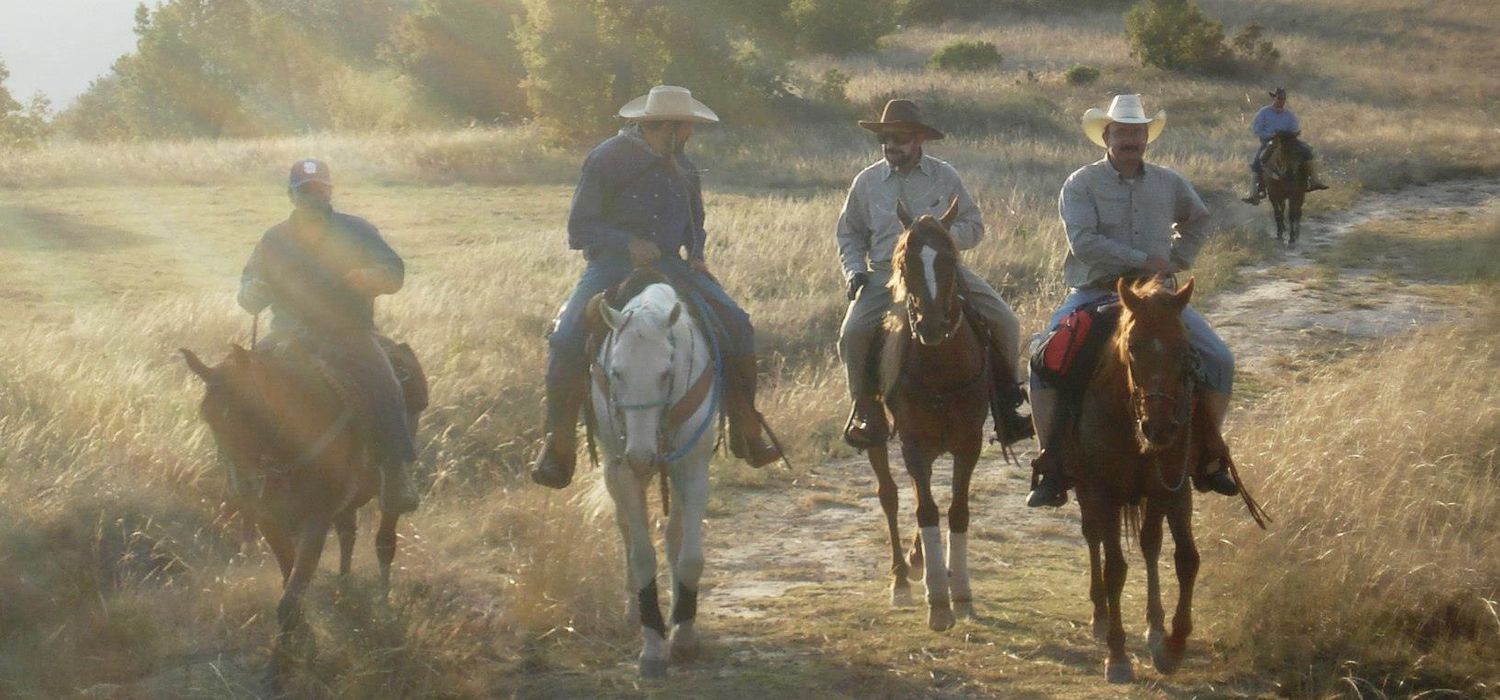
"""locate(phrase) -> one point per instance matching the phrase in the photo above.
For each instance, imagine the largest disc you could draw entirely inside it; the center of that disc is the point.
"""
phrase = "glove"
(857, 281)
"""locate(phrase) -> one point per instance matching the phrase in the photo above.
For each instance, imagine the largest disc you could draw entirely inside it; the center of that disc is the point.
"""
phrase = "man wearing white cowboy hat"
(1128, 218)
(1273, 118)
(868, 229)
(639, 203)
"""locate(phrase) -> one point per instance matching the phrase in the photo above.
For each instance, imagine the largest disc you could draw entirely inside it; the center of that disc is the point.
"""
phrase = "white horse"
(655, 403)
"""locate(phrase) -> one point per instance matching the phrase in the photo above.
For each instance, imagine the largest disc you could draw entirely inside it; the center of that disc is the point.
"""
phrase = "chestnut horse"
(1140, 432)
(655, 396)
(937, 385)
(290, 436)
(1285, 171)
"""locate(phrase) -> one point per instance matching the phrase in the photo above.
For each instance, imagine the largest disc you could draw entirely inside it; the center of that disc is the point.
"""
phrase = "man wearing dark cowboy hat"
(1125, 217)
(639, 204)
(319, 272)
(1273, 118)
(868, 229)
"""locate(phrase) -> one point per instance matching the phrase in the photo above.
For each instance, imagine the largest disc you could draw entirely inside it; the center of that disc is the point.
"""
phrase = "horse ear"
(952, 213)
(238, 353)
(612, 317)
(676, 314)
(203, 371)
(1128, 297)
(1184, 294)
(903, 213)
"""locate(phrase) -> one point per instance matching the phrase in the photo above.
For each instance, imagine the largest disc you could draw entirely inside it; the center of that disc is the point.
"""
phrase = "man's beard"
(901, 159)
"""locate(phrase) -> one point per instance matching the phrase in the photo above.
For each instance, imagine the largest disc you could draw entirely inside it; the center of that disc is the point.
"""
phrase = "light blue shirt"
(1268, 121)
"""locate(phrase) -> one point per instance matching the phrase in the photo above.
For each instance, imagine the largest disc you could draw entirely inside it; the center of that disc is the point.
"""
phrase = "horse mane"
(633, 285)
(1152, 292)
(925, 231)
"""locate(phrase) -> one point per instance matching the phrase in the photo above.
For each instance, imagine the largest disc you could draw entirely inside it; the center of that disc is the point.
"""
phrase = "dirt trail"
(827, 528)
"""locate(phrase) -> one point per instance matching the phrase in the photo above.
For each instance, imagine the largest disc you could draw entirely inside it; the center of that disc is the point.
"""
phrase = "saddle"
(1066, 358)
(299, 355)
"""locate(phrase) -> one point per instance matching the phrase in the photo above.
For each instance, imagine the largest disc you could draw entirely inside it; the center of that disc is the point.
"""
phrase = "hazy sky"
(58, 46)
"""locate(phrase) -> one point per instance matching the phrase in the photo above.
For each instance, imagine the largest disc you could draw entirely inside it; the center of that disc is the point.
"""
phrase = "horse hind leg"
(344, 526)
(1093, 534)
(385, 549)
(891, 506)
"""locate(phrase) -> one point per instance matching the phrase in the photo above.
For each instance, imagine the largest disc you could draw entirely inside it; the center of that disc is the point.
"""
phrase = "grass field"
(116, 580)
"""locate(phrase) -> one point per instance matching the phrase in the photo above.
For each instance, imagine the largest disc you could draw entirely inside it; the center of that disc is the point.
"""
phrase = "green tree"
(1175, 34)
(22, 126)
(840, 26)
(463, 56)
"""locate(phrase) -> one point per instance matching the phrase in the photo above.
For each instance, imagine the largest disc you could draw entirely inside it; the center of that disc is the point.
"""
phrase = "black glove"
(857, 281)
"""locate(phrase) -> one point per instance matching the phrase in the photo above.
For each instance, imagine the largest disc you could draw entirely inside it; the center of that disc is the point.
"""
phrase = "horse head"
(926, 279)
(1284, 156)
(1152, 346)
(639, 368)
(233, 405)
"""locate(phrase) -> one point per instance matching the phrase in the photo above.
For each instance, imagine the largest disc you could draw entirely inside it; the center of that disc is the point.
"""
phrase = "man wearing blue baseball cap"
(319, 272)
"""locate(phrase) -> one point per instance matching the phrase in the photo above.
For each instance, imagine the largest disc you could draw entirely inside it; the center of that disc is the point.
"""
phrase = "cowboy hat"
(668, 103)
(1279, 92)
(902, 115)
(1125, 109)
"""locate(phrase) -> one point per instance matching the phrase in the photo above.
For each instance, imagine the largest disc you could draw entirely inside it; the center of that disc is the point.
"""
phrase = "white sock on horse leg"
(936, 577)
(958, 565)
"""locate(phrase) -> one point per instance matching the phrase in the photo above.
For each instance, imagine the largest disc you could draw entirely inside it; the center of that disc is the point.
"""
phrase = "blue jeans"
(1215, 361)
(1260, 154)
(565, 357)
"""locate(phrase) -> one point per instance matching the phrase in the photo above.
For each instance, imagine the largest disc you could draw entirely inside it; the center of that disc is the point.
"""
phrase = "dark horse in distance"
(297, 461)
(1285, 171)
(936, 382)
(1140, 432)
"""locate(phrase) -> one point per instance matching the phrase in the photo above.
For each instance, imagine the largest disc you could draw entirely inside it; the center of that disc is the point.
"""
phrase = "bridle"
(1182, 403)
(955, 310)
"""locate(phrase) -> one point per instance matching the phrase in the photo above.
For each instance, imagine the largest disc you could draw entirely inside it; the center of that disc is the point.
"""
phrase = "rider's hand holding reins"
(643, 253)
(857, 281)
(372, 281)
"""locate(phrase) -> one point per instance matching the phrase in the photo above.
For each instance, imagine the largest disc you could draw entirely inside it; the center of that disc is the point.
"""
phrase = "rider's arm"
(381, 270)
(695, 200)
(1262, 124)
(853, 232)
(254, 295)
(588, 224)
(1190, 219)
(968, 227)
(1081, 219)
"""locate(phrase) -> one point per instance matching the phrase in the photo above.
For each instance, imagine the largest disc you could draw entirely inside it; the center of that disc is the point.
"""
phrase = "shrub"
(832, 87)
(1174, 34)
(1254, 52)
(1081, 75)
(839, 26)
(967, 56)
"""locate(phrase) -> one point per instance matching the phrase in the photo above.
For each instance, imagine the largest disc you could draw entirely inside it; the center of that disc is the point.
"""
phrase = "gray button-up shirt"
(1114, 223)
(868, 227)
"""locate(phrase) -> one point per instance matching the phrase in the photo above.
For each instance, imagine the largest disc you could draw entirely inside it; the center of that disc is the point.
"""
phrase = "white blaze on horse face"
(929, 268)
(639, 382)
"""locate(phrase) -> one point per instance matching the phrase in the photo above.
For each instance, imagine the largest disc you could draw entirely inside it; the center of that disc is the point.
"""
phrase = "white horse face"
(640, 377)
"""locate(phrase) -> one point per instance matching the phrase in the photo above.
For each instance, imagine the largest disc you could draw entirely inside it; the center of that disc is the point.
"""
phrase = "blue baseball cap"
(309, 170)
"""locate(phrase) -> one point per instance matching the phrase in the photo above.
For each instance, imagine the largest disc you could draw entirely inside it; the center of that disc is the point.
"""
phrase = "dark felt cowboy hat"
(903, 115)
(1279, 92)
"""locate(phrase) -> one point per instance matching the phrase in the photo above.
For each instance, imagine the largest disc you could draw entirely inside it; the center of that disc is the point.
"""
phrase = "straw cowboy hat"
(902, 115)
(668, 103)
(1125, 109)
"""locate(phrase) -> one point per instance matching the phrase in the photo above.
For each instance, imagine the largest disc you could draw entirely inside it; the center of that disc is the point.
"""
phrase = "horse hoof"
(964, 609)
(901, 596)
(684, 644)
(1156, 641)
(1119, 671)
(653, 668)
(939, 619)
(914, 565)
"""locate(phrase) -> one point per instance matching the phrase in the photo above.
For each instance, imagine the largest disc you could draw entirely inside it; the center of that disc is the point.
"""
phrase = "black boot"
(1010, 426)
(867, 426)
(1257, 190)
(1050, 489)
(746, 439)
(1219, 482)
(559, 454)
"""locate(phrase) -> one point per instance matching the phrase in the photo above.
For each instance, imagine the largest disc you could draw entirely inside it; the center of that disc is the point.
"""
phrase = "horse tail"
(1130, 514)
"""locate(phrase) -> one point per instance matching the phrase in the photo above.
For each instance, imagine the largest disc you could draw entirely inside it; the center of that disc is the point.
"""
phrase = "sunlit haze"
(58, 47)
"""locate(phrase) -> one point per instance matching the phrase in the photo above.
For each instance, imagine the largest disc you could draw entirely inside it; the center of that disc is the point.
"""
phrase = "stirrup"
(553, 469)
(1050, 492)
(872, 431)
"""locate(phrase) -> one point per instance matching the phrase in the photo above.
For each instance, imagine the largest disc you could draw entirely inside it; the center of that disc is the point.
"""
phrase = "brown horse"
(938, 388)
(1285, 172)
(1138, 436)
(290, 437)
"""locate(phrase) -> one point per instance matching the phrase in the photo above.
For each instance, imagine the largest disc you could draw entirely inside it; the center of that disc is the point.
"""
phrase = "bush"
(967, 56)
(832, 87)
(839, 26)
(1255, 53)
(1174, 34)
(1081, 75)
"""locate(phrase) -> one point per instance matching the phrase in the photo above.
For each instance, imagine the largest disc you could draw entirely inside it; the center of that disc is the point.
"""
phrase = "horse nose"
(640, 460)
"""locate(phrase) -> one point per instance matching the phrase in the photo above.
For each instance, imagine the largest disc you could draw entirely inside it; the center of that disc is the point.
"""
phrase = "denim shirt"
(627, 189)
(1268, 121)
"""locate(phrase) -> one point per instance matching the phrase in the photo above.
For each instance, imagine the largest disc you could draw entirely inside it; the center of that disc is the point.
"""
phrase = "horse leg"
(939, 610)
(690, 508)
(343, 524)
(1185, 555)
(1295, 215)
(1093, 533)
(1150, 537)
(880, 461)
(1278, 206)
(289, 613)
(282, 546)
(958, 531)
(385, 549)
(1118, 668)
(629, 493)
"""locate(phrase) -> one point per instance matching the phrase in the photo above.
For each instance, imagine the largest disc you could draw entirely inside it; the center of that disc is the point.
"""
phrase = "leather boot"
(1051, 489)
(558, 457)
(398, 491)
(1010, 426)
(1257, 190)
(1314, 183)
(1212, 474)
(746, 440)
(867, 426)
